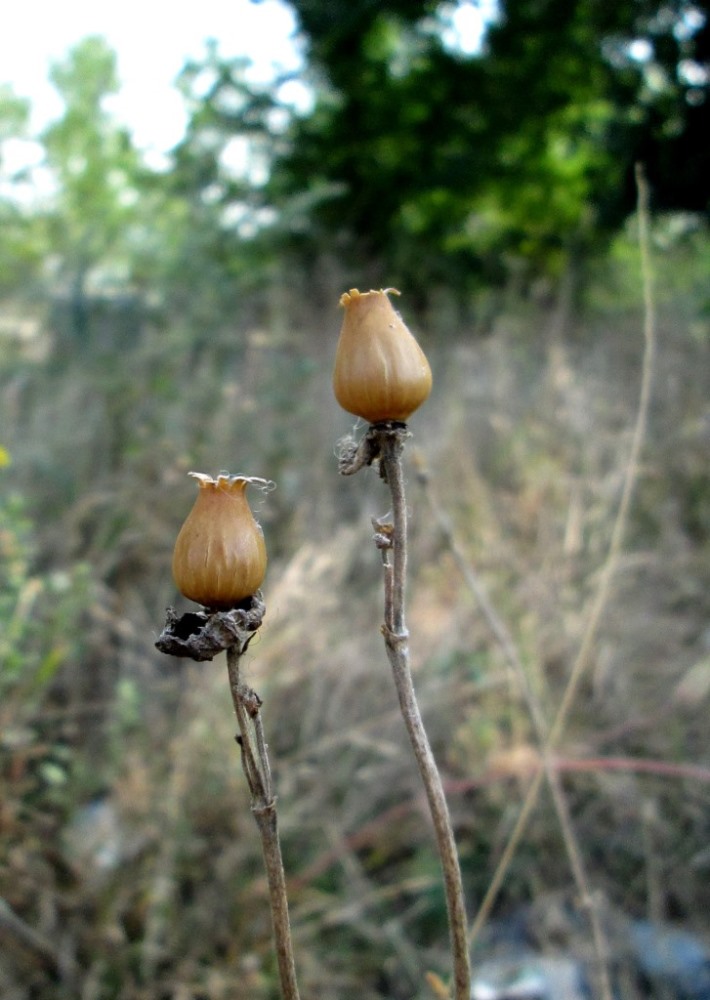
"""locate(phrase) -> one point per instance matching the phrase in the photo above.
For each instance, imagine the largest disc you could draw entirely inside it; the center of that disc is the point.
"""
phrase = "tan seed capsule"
(220, 555)
(381, 372)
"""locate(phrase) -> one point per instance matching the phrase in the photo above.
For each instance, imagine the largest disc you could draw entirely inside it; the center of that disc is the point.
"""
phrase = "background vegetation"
(157, 322)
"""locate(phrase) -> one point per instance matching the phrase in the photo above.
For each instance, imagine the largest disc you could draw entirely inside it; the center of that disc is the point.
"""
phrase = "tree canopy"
(438, 161)
(417, 162)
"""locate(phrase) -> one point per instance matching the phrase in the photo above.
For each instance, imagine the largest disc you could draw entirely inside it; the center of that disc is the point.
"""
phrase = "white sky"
(152, 40)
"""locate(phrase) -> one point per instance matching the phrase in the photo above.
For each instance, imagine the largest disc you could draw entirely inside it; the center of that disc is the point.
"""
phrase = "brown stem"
(391, 443)
(263, 804)
(610, 566)
(505, 640)
(40, 946)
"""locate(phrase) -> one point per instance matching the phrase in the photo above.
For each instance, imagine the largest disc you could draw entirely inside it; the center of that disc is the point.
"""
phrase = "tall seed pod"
(381, 372)
(220, 555)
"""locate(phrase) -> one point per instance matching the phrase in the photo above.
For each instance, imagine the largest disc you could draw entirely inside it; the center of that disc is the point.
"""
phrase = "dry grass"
(526, 438)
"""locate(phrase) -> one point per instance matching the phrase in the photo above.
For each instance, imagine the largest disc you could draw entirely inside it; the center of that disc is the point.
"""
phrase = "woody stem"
(256, 766)
(391, 444)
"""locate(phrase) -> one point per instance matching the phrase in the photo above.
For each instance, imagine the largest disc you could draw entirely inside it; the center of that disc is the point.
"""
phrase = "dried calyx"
(220, 555)
(381, 372)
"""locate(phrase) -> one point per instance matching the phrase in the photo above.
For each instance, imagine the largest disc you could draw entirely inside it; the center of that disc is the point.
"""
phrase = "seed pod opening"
(220, 555)
(381, 372)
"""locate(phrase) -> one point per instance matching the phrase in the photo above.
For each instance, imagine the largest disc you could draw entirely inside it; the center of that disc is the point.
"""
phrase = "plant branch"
(255, 762)
(610, 566)
(51, 957)
(200, 636)
(386, 441)
(515, 664)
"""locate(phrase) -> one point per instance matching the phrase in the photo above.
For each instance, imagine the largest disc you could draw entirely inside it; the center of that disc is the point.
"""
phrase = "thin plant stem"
(392, 541)
(610, 566)
(49, 954)
(256, 766)
(515, 664)
(164, 879)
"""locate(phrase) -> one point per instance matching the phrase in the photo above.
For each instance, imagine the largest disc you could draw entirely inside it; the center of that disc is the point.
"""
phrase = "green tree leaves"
(94, 169)
(417, 164)
(437, 165)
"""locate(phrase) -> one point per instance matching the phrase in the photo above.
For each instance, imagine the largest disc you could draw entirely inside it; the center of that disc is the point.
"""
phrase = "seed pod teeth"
(347, 298)
(224, 479)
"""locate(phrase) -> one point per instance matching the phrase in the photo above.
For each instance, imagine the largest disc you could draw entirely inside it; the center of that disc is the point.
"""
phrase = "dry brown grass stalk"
(45, 951)
(609, 569)
(515, 664)
(172, 805)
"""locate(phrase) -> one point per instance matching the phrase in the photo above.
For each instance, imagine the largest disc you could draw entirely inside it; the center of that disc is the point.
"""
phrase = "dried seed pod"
(220, 555)
(381, 372)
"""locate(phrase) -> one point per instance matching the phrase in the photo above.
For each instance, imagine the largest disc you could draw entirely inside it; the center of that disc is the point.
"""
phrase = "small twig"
(365, 835)
(612, 559)
(255, 761)
(515, 664)
(200, 636)
(171, 805)
(354, 456)
(40, 946)
(386, 442)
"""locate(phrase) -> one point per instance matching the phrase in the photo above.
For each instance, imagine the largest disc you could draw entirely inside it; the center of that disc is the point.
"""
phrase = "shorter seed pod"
(381, 372)
(220, 555)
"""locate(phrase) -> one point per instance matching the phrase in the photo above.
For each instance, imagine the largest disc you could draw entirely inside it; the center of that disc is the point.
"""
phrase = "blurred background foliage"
(156, 321)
